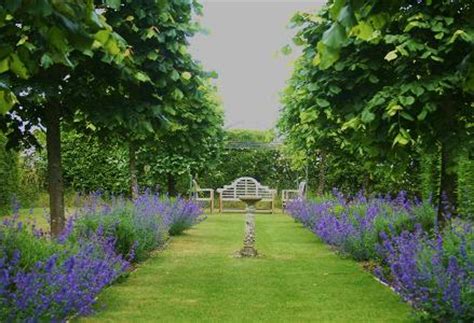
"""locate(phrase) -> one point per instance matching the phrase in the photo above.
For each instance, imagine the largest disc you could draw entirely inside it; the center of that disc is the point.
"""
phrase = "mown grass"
(297, 278)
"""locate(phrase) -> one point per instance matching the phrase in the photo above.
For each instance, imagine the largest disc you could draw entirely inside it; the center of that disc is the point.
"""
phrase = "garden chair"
(291, 195)
(203, 195)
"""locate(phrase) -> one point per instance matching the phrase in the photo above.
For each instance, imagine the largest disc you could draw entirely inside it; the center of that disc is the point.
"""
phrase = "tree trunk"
(55, 175)
(448, 175)
(171, 185)
(447, 201)
(322, 174)
(132, 156)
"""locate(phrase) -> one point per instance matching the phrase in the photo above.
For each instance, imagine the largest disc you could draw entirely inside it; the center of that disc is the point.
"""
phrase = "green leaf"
(406, 100)
(114, 4)
(46, 61)
(153, 56)
(17, 66)
(346, 17)
(102, 36)
(392, 109)
(391, 55)
(57, 38)
(177, 94)
(147, 125)
(112, 47)
(460, 33)
(406, 116)
(326, 56)
(308, 116)
(335, 8)
(174, 75)
(400, 140)
(418, 90)
(363, 31)
(170, 110)
(367, 116)
(7, 99)
(422, 115)
(373, 79)
(322, 103)
(351, 124)
(335, 89)
(142, 77)
(287, 50)
(335, 36)
(4, 65)
(186, 76)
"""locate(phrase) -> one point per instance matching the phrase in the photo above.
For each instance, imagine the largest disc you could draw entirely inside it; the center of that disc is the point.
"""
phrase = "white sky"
(242, 46)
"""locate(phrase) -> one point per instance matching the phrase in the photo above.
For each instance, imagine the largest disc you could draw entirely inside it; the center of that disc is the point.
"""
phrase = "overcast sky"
(242, 46)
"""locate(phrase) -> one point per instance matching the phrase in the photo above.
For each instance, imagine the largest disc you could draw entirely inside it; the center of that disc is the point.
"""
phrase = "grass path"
(297, 279)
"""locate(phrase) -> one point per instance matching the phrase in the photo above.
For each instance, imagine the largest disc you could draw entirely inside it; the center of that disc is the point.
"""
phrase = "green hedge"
(8, 176)
(466, 187)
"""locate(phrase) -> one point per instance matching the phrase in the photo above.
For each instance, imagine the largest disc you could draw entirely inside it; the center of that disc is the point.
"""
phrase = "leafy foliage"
(130, 79)
(8, 174)
(385, 89)
(108, 160)
(38, 35)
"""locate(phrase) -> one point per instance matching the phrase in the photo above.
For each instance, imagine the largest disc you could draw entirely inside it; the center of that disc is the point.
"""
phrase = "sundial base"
(249, 240)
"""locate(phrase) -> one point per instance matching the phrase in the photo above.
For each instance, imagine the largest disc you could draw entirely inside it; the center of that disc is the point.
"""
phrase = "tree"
(389, 84)
(171, 92)
(41, 43)
(36, 35)
(195, 143)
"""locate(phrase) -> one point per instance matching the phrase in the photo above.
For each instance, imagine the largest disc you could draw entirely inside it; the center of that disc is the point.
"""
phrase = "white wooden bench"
(291, 195)
(245, 186)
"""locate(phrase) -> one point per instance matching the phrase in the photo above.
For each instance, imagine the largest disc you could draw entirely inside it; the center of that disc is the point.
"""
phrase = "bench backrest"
(302, 189)
(246, 186)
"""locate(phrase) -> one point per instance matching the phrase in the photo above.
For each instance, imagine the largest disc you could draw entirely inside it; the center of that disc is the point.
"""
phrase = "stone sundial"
(249, 240)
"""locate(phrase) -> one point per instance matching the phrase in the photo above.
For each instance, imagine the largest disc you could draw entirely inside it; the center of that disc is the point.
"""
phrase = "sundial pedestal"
(249, 240)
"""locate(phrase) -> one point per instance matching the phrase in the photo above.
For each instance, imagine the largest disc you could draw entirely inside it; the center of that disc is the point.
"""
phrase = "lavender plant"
(180, 214)
(44, 279)
(64, 279)
(353, 224)
(138, 227)
(433, 269)
(435, 274)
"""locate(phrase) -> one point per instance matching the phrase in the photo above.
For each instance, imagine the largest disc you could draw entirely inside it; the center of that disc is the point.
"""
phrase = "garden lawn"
(297, 278)
(37, 216)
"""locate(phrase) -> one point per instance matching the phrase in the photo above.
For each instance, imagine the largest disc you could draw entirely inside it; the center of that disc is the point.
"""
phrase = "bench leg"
(220, 204)
(212, 203)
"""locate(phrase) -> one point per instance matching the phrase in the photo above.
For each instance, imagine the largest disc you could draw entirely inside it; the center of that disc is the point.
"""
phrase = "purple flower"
(432, 269)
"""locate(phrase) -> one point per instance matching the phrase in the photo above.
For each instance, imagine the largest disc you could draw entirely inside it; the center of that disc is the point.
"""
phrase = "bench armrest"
(209, 191)
(286, 194)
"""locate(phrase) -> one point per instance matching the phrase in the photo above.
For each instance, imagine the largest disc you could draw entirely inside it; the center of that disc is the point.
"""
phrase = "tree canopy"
(384, 83)
(116, 69)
